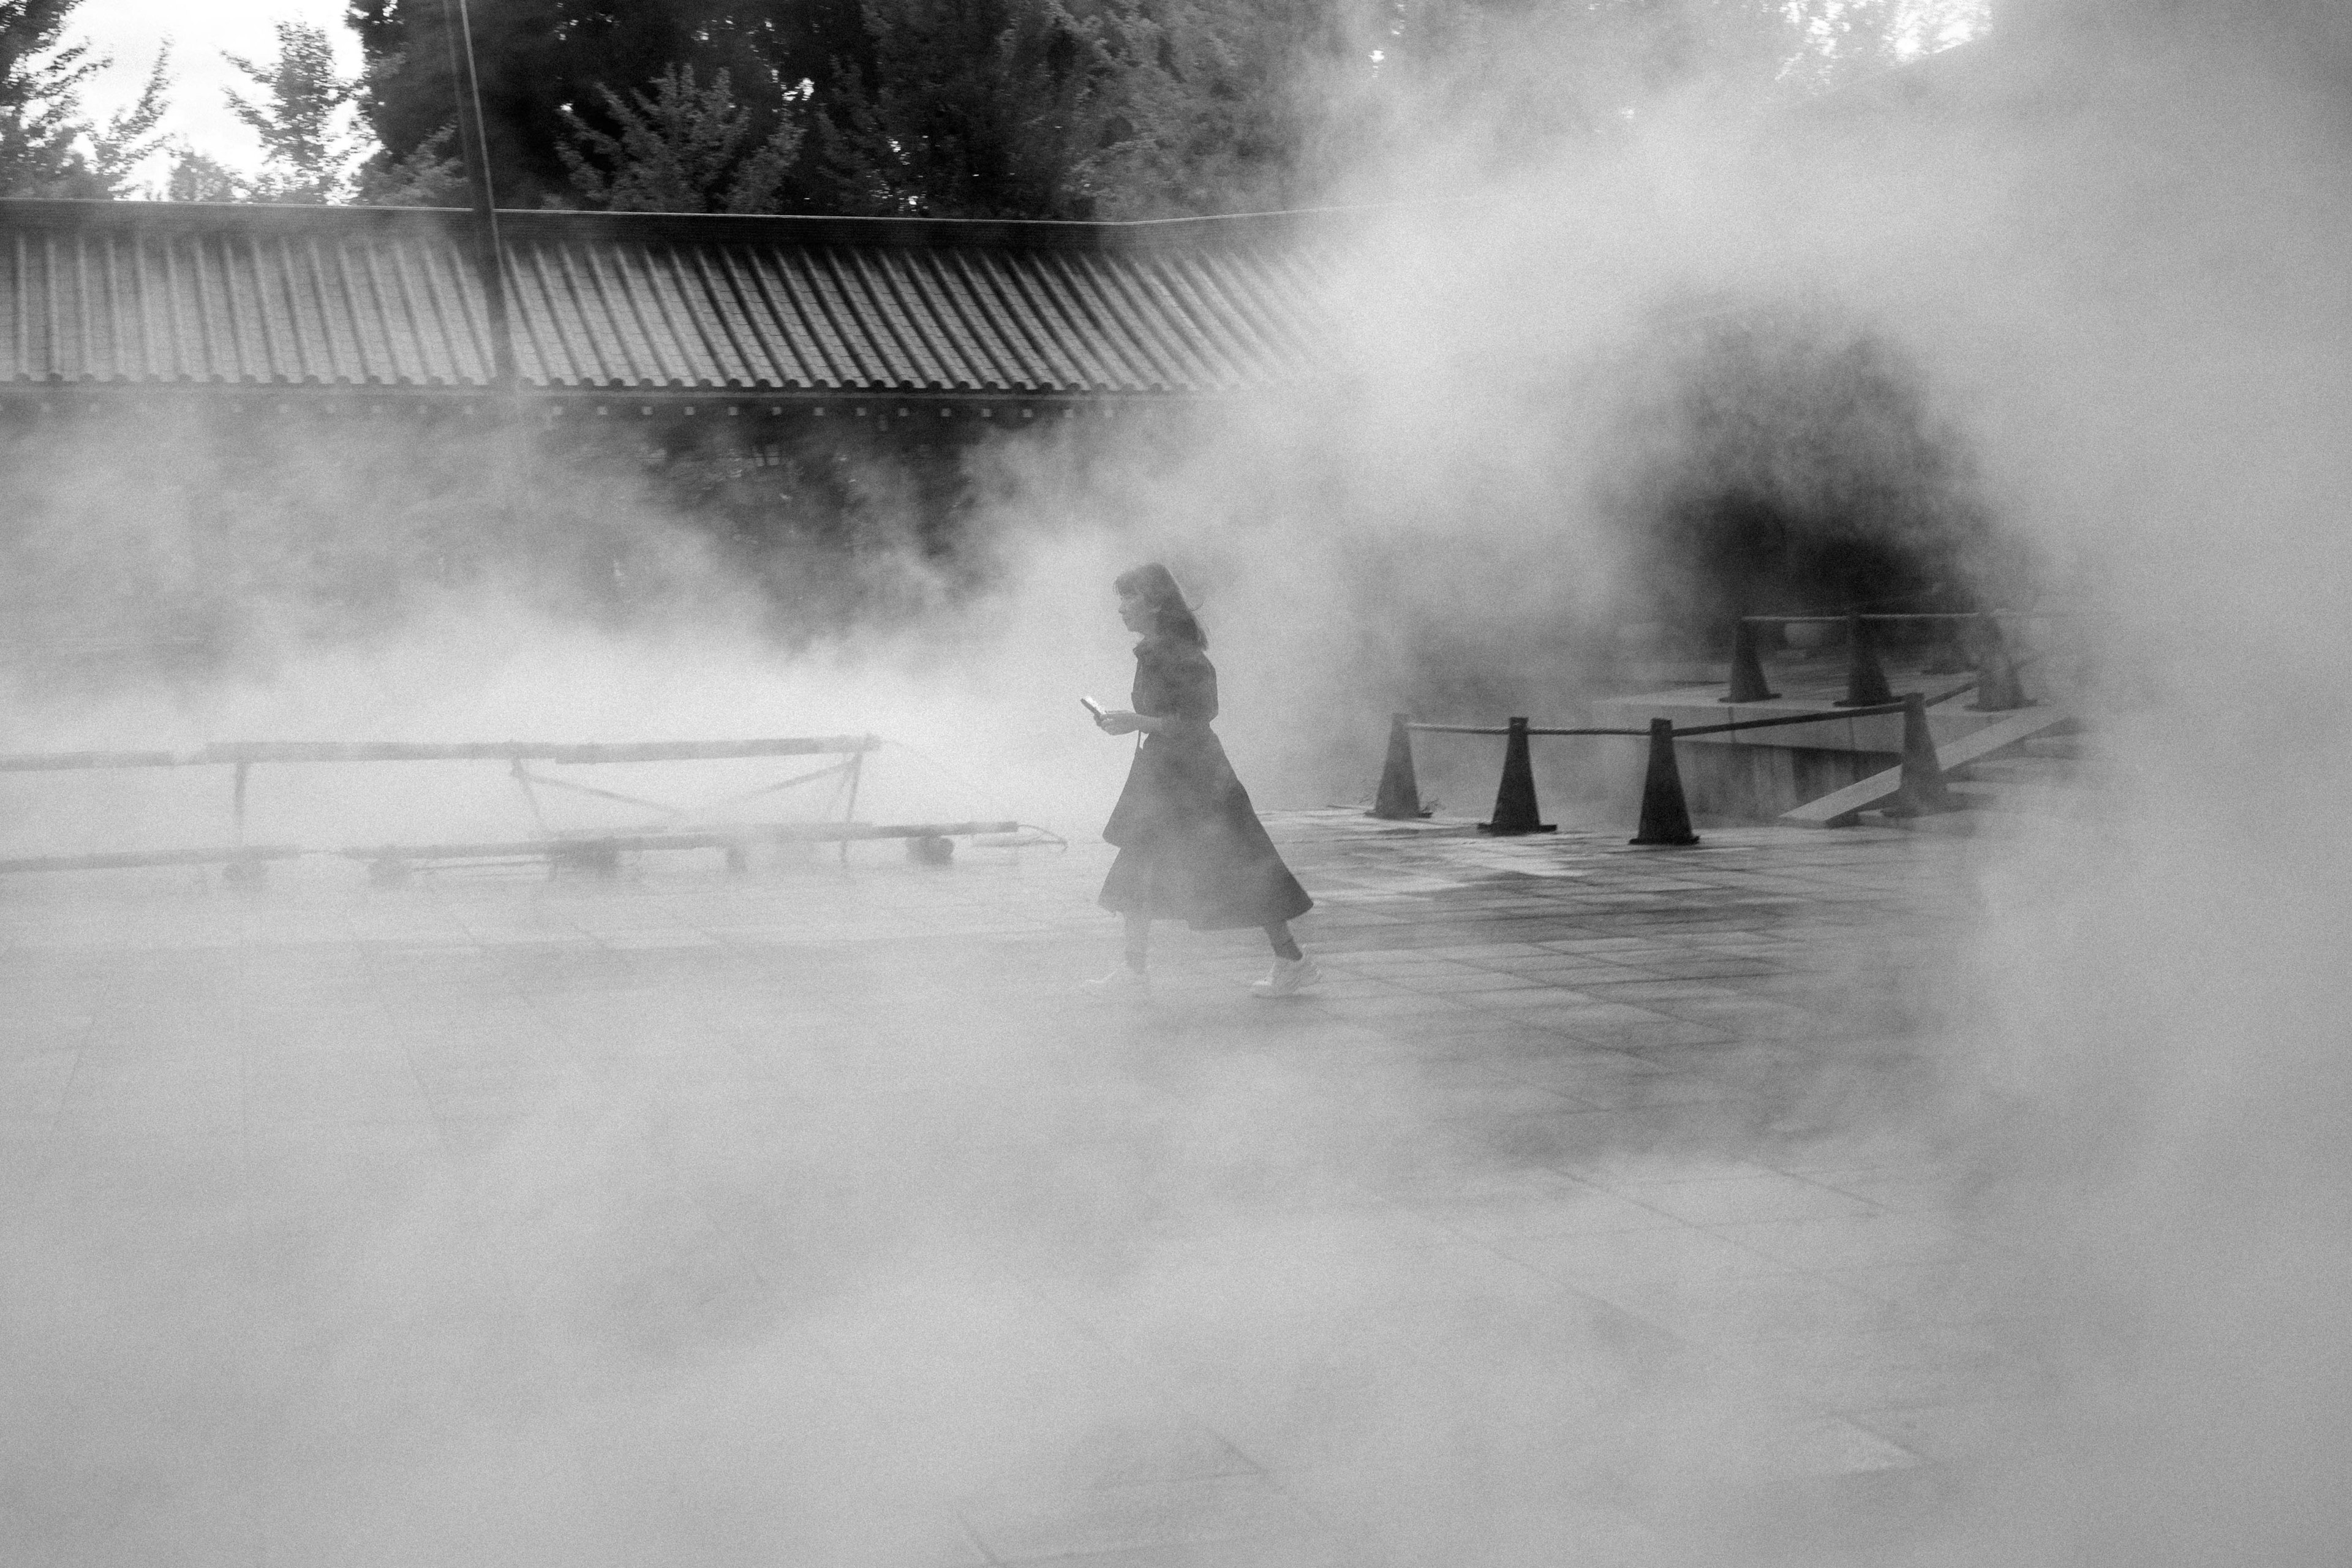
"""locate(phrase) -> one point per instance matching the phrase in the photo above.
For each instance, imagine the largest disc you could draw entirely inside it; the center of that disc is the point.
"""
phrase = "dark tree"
(1792, 459)
(546, 66)
(1235, 105)
(973, 109)
(682, 148)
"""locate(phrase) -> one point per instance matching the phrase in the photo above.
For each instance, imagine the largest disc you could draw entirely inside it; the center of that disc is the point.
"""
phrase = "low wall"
(1756, 774)
(1758, 781)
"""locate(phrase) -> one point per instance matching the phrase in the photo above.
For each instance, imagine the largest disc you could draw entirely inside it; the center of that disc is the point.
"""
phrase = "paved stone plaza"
(809, 1216)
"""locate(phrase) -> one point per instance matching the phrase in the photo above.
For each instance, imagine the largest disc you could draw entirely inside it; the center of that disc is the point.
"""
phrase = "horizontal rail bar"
(65, 761)
(1916, 616)
(770, 833)
(1485, 729)
(1680, 731)
(533, 751)
(425, 752)
(130, 858)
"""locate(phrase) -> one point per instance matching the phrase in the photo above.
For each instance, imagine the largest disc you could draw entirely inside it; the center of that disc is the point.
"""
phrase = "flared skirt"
(1190, 846)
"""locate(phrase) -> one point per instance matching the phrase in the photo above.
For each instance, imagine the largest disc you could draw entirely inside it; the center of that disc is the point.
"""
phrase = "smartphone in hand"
(1091, 706)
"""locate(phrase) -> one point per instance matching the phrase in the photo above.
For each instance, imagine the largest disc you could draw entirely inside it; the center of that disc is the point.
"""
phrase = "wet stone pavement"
(809, 1215)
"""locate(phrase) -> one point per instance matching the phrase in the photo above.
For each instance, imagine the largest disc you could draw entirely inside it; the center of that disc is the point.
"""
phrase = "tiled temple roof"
(129, 294)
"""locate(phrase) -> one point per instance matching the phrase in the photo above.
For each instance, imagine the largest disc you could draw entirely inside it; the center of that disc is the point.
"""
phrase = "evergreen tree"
(683, 149)
(1063, 108)
(1237, 105)
(974, 109)
(432, 176)
(542, 63)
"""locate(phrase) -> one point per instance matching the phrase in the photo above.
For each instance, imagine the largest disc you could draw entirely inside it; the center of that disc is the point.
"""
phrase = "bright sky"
(132, 30)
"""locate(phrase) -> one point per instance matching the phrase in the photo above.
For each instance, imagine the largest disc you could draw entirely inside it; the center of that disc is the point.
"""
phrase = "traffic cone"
(1399, 796)
(1865, 681)
(1997, 688)
(1748, 683)
(1922, 793)
(1945, 653)
(1666, 817)
(1515, 802)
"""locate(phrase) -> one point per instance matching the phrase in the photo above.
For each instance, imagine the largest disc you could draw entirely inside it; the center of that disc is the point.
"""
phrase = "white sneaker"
(1288, 978)
(1121, 984)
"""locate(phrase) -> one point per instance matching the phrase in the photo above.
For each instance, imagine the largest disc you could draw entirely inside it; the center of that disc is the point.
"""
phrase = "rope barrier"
(1914, 616)
(1483, 730)
(1680, 731)
(1871, 711)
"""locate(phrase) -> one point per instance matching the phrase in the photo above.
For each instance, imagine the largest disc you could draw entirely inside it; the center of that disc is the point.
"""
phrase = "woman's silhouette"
(1190, 846)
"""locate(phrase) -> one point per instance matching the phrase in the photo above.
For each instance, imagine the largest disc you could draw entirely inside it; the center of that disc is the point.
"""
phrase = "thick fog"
(2110, 260)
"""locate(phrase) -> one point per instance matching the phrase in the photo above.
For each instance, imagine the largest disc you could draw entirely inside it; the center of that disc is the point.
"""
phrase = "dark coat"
(1190, 846)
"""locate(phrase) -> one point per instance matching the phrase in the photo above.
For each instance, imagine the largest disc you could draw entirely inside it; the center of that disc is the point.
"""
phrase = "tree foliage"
(310, 145)
(545, 67)
(682, 148)
(430, 176)
(194, 177)
(48, 148)
(973, 109)
(129, 137)
(41, 77)
(1072, 108)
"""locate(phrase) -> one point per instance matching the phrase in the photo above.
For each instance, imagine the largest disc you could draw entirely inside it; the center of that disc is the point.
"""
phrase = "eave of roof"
(141, 294)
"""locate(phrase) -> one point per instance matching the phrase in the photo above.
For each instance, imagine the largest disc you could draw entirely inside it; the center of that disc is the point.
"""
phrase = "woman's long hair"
(1156, 586)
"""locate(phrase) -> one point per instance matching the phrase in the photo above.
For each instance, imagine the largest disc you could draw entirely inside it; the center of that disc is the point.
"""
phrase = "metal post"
(849, 812)
(529, 795)
(489, 253)
(240, 872)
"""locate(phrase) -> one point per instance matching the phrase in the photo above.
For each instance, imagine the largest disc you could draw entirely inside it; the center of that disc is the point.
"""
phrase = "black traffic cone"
(1666, 817)
(1945, 653)
(1515, 802)
(1865, 681)
(1997, 688)
(1923, 793)
(1399, 796)
(1748, 683)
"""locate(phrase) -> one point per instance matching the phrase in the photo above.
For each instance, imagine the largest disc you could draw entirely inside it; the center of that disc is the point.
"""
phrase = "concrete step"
(2017, 770)
(2019, 782)
(1840, 807)
(2057, 799)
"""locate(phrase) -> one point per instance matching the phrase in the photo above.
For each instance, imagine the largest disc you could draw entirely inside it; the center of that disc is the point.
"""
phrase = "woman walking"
(1190, 846)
